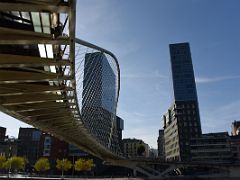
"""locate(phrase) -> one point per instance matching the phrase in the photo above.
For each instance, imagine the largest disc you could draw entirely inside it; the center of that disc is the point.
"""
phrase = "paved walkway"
(20, 177)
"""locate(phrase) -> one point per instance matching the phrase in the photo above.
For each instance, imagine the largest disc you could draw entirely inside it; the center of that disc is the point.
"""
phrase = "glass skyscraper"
(99, 99)
(99, 82)
(182, 120)
(184, 86)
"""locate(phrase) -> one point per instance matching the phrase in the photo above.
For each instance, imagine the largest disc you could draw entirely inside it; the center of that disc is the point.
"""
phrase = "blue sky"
(138, 33)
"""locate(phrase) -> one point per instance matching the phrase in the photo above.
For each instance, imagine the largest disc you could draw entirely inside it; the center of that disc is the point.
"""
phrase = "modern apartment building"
(182, 120)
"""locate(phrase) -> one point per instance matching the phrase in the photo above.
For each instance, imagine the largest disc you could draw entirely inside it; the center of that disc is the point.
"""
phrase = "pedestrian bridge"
(54, 81)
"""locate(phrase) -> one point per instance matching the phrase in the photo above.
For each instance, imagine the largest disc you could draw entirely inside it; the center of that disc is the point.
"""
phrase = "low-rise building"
(2, 134)
(153, 153)
(28, 144)
(212, 147)
(74, 152)
(120, 128)
(52, 148)
(9, 147)
(235, 128)
(130, 148)
(235, 148)
(235, 141)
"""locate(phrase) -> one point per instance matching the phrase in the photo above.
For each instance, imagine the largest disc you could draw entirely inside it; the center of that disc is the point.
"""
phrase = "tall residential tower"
(182, 120)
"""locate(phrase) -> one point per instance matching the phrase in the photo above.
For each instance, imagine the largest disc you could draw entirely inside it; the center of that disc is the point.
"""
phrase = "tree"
(79, 164)
(42, 165)
(89, 165)
(7, 164)
(140, 149)
(84, 165)
(63, 165)
(18, 163)
(2, 161)
(15, 163)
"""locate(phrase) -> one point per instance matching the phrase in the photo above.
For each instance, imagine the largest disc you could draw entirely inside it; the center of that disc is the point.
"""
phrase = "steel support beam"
(15, 36)
(45, 112)
(9, 60)
(46, 108)
(49, 114)
(28, 89)
(39, 106)
(29, 99)
(49, 118)
(20, 40)
(21, 76)
(34, 7)
(51, 121)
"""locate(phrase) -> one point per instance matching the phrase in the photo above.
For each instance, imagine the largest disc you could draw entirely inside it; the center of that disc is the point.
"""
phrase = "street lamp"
(10, 160)
(63, 168)
(9, 169)
(63, 160)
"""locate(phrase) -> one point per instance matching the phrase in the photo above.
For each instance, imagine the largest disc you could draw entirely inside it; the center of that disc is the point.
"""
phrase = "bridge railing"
(97, 81)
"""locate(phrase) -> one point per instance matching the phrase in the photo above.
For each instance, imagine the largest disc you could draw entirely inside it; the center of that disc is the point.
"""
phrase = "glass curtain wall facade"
(99, 99)
(184, 86)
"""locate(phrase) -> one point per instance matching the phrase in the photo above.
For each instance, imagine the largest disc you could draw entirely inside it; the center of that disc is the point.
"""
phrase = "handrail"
(90, 45)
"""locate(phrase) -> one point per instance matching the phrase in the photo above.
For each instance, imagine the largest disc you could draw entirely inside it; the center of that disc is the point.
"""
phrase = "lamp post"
(63, 168)
(73, 165)
(10, 160)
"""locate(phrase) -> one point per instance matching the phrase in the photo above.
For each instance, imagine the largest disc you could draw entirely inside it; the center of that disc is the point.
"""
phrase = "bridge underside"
(38, 70)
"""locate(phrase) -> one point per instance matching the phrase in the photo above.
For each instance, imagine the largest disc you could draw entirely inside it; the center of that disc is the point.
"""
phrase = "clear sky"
(138, 32)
